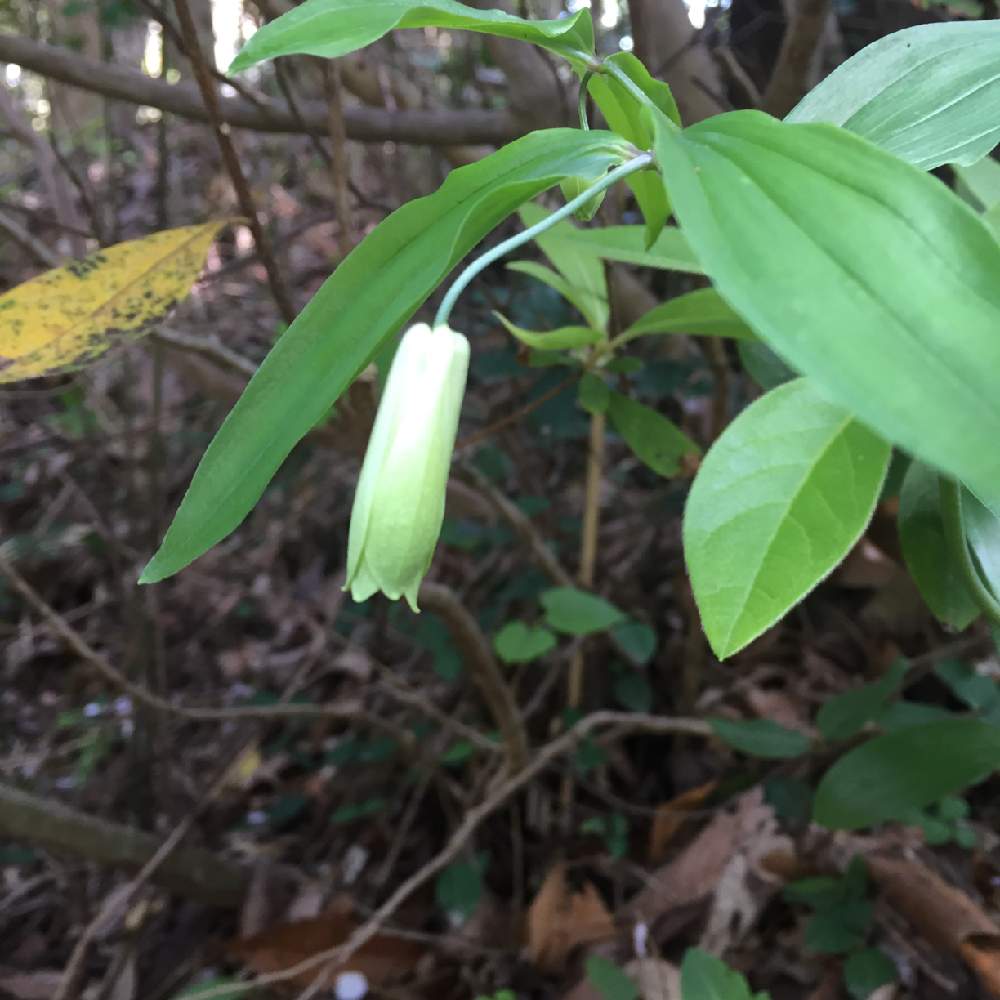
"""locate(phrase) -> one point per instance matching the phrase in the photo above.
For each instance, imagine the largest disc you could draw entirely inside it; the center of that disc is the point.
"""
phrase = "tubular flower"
(399, 503)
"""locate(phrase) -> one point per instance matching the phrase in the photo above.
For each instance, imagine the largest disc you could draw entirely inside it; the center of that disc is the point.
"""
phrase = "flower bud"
(399, 503)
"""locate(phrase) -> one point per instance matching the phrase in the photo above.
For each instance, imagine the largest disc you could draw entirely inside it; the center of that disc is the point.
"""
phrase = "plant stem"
(639, 162)
(954, 530)
(584, 123)
(632, 87)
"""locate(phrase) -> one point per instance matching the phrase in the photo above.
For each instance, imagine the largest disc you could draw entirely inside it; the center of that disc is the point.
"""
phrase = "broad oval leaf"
(779, 500)
(702, 312)
(982, 529)
(761, 738)
(368, 298)
(889, 776)
(705, 977)
(926, 551)
(68, 316)
(332, 28)
(657, 441)
(859, 270)
(577, 612)
(562, 339)
(927, 94)
(518, 642)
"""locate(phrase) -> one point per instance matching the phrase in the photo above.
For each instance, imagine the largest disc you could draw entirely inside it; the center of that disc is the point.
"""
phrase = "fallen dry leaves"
(672, 815)
(562, 918)
(382, 960)
(946, 916)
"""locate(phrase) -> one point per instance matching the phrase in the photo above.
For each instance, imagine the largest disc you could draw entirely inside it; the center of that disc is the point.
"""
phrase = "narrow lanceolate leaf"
(889, 776)
(562, 339)
(657, 441)
(779, 500)
(932, 565)
(982, 529)
(761, 738)
(927, 94)
(700, 313)
(370, 296)
(64, 318)
(583, 271)
(627, 244)
(332, 28)
(859, 270)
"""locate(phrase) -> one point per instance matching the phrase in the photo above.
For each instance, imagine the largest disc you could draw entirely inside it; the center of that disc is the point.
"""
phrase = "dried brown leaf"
(562, 918)
(671, 816)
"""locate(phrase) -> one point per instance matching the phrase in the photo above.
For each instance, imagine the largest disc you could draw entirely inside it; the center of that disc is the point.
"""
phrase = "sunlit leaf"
(66, 317)
(927, 94)
(859, 270)
(561, 339)
(779, 500)
(702, 312)
(332, 28)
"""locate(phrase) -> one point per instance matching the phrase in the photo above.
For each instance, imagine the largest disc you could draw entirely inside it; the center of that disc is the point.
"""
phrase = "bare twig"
(341, 163)
(248, 207)
(194, 873)
(482, 666)
(423, 128)
(27, 241)
(790, 79)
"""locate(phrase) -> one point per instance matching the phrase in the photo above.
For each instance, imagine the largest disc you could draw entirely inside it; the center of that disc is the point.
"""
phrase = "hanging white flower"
(399, 503)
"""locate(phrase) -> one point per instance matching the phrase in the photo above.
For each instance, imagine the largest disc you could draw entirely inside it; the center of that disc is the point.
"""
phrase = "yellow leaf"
(71, 315)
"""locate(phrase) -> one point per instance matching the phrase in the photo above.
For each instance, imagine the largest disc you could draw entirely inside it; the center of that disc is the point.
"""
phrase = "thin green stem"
(637, 163)
(954, 530)
(584, 123)
(634, 89)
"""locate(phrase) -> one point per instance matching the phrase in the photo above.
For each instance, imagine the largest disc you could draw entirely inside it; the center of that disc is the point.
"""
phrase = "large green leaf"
(929, 558)
(369, 297)
(859, 270)
(889, 776)
(779, 500)
(627, 244)
(705, 977)
(928, 94)
(702, 312)
(982, 529)
(583, 271)
(656, 440)
(332, 28)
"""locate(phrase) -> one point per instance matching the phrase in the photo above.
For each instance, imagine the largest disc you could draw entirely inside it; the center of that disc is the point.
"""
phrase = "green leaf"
(459, 888)
(839, 929)
(699, 313)
(576, 612)
(844, 715)
(976, 690)
(857, 269)
(763, 365)
(926, 551)
(761, 738)
(211, 985)
(636, 640)
(593, 394)
(927, 94)
(564, 338)
(520, 643)
(376, 289)
(632, 690)
(627, 245)
(779, 500)
(865, 971)
(627, 116)
(332, 28)
(657, 441)
(982, 182)
(592, 308)
(608, 980)
(705, 977)
(982, 529)
(904, 714)
(890, 775)
(583, 272)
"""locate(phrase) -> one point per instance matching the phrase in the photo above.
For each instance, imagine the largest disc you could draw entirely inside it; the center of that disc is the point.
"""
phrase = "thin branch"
(482, 666)
(418, 127)
(27, 241)
(248, 207)
(791, 77)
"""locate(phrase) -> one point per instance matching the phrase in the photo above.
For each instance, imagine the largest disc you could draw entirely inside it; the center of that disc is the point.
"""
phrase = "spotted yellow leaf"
(68, 316)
